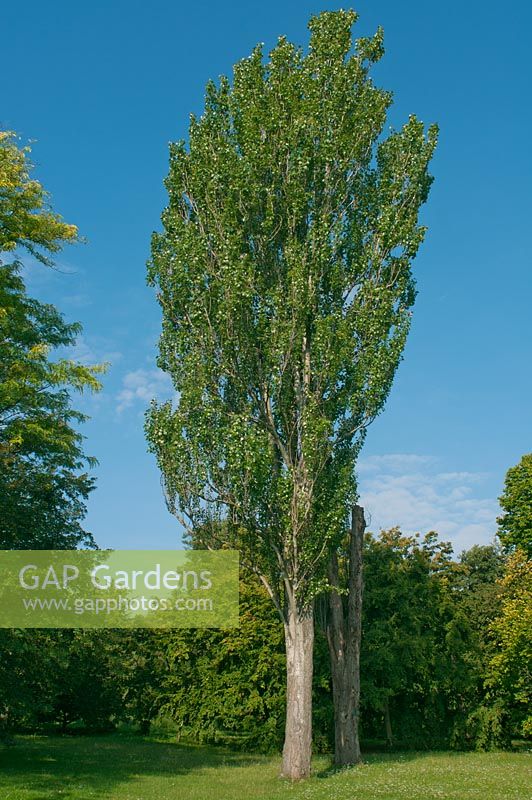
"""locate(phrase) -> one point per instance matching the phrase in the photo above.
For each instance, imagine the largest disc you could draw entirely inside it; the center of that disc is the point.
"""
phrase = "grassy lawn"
(132, 768)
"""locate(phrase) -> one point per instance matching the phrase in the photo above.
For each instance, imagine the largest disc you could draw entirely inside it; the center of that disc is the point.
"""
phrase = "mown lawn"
(132, 768)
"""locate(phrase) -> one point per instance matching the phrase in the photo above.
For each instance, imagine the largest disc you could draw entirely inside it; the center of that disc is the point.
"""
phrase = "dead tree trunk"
(344, 627)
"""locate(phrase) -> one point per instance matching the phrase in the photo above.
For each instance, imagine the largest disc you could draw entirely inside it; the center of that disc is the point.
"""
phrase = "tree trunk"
(344, 629)
(299, 640)
(388, 723)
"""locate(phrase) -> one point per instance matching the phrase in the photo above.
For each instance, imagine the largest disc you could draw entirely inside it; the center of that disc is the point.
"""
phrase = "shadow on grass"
(72, 767)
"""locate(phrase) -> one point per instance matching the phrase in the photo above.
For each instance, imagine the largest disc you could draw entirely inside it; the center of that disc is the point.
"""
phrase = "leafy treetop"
(515, 524)
(284, 275)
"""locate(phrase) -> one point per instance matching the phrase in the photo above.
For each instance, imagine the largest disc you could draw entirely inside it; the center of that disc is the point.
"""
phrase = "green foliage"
(228, 686)
(25, 219)
(431, 642)
(284, 276)
(483, 729)
(24, 676)
(82, 686)
(411, 632)
(509, 676)
(427, 643)
(425, 649)
(515, 525)
(142, 671)
(80, 679)
(43, 478)
(44, 481)
(477, 597)
(99, 678)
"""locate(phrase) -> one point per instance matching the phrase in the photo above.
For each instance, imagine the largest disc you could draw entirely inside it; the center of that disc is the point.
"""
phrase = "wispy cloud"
(409, 490)
(394, 462)
(141, 386)
(80, 300)
(93, 350)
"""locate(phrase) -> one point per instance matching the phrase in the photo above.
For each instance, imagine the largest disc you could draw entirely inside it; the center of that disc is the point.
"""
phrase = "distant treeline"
(445, 662)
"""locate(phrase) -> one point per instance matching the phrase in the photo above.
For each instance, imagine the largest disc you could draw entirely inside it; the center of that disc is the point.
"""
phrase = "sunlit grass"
(133, 768)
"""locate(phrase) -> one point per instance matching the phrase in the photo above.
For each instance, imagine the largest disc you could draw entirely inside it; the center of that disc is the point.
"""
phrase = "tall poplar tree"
(284, 276)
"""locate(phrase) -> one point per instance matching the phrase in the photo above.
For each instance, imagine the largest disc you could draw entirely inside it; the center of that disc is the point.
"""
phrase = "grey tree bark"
(344, 630)
(299, 639)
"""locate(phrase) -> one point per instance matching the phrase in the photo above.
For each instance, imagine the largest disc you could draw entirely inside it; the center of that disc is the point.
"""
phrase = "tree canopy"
(26, 221)
(283, 272)
(43, 477)
(515, 524)
(510, 670)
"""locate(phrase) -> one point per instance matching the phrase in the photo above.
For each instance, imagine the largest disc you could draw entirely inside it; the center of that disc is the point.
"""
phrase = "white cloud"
(80, 300)
(93, 350)
(393, 462)
(142, 385)
(409, 491)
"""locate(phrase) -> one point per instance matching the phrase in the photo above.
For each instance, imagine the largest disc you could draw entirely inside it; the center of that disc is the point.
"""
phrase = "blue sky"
(102, 87)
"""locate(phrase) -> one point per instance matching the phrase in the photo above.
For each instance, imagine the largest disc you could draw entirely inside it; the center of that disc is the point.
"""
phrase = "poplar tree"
(284, 275)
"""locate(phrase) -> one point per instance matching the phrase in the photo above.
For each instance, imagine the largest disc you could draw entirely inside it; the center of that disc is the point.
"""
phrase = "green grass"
(133, 768)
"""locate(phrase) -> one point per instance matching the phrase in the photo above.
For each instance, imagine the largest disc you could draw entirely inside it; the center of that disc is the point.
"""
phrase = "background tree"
(515, 525)
(403, 659)
(226, 686)
(43, 480)
(43, 477)
(83, 669)
(142, 672)
(24, 679)
(26, 221)
(427, 643)
(476, 594)
(509, 676)
(284, 277)
(452, 671)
